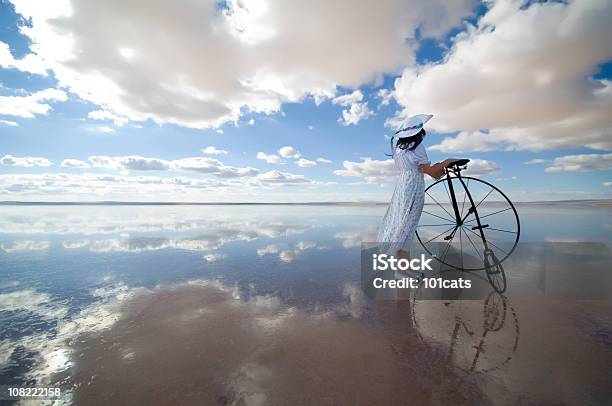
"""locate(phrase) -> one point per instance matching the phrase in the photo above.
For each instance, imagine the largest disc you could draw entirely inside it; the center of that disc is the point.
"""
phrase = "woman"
(402, 217)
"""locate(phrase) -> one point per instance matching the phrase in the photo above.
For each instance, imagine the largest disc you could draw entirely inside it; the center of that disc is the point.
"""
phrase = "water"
(262, 304)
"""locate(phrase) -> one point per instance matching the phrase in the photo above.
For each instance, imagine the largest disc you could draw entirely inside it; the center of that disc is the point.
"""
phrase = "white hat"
(412, 125)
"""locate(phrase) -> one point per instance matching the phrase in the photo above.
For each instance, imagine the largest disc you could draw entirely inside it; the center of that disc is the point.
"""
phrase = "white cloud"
(89, 186)
(311, 127)
(524, 73)
(369, 169)
(204, 165)
(324, 161)
(136, 163)
(348, 99)
(199, 64)
(607, 184)
(479, 167)
(385, 96)
(8, 123)
(30, 63)
(26, 161)
(356, 110)
(271, 159)
(305, 163)
(211, 166)
(537, 161)
(354, 114)
(581, 163)
(214, 151)
(74, 163)
(289, 152)
(282, 178)
(385, 171)
(102, 129)
(107, 115)
(31, 105)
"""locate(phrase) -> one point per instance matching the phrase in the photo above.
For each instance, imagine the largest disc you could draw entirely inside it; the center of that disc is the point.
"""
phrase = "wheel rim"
(465, 250)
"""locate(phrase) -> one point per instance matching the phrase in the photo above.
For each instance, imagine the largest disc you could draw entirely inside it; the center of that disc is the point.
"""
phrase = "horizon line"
(306, 203)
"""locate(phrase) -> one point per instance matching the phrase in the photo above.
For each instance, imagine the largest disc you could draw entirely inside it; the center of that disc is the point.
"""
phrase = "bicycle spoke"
(461, 244)
(488, 242)
(432, 198)
(436, 225)
(450, 199)
(443, 218)
(439, 234)
(491, 214)
(473, 245)
(490, 191)
(448, 247)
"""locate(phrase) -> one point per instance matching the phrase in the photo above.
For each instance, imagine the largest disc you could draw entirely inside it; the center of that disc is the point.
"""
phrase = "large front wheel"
(462, 244)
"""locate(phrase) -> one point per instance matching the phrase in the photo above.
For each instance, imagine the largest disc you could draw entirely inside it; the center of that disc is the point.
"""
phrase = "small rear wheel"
(495, 271)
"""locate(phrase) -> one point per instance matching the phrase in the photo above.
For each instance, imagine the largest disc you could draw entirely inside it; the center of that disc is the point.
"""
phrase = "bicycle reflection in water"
(479, 336)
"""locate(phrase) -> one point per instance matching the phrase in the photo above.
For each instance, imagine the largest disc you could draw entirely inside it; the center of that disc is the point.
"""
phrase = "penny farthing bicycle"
(469, 224)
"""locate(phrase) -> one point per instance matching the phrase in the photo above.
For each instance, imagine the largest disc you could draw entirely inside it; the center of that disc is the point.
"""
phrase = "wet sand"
(201, 344)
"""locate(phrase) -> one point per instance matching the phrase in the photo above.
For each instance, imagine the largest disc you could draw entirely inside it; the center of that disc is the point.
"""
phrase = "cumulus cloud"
(74, 163)
(354, 114)
(104, 186)
(26, 161)
(383, 171)
(8, 123)
(200, 64)
(305, 163)
(204, 165)
(30, 63)
(135, 163)
(348, 99)
(324, 161)
(479, 167)
(271, 159)
(525, 73)
(355, 111)
(581, 163)
(214, 151)
(537, 161)
(31, 105)
(102, 129)
(107, 115)
(369, 169)
(385, 96)
(289, 152)
(284, 178)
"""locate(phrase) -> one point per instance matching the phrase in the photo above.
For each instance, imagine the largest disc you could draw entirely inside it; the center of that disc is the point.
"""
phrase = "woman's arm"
(436, 170)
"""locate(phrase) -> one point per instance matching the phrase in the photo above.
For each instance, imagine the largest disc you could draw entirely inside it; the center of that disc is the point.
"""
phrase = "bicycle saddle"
(459, 162)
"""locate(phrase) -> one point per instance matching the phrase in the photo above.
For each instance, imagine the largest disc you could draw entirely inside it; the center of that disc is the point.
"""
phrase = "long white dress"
(402, 218)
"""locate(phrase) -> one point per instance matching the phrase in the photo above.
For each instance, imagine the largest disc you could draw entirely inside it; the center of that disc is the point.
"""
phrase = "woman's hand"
(436, 171)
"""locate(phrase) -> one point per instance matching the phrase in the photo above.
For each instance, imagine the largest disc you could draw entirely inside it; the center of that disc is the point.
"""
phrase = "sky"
(281, 101)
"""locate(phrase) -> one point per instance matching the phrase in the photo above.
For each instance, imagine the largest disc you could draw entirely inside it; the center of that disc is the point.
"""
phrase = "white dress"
(402, 218)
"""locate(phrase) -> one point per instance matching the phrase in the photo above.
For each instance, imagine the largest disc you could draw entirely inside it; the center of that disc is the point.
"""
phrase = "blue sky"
(139, 120)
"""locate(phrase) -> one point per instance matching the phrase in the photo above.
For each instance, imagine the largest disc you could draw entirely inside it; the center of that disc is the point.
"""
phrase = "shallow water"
(263, 304)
